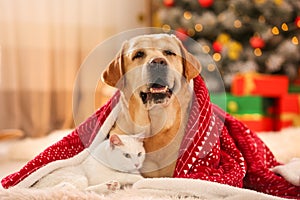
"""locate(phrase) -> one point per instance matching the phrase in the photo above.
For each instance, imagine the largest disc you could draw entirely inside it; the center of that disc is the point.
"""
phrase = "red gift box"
(287, 111)
(259, 84)
(257, 123)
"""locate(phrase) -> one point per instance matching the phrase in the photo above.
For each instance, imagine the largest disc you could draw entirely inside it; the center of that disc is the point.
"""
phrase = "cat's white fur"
(114, 162)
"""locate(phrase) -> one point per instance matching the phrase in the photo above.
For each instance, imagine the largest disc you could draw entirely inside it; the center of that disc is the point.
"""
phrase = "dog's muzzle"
(157, 94)
(158, 88)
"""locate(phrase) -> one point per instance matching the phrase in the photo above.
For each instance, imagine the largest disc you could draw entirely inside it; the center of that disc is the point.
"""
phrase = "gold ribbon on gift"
(248, 117)
(293, 117)
(249, 85)
(232, 106)
(296, 121)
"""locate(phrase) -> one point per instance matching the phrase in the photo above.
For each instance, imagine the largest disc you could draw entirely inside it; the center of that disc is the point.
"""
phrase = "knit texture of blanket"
(216, 147)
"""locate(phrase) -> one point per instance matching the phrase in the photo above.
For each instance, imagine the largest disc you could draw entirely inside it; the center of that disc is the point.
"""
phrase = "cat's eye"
(138, 54)
(139, 154)
(127, 155)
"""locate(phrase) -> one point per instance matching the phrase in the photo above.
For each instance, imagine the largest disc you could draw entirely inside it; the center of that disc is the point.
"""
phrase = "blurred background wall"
(42, 45)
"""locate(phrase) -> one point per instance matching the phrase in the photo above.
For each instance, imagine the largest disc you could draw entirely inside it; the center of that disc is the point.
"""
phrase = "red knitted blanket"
(216, 147)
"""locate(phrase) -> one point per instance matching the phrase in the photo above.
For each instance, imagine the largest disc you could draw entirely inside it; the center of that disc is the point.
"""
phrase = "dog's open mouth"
(156, 93)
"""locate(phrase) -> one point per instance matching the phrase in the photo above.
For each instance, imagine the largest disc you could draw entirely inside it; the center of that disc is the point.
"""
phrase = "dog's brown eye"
(169, 53)
(138, 54)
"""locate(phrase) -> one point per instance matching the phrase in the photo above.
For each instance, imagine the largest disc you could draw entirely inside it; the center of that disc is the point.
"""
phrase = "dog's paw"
(105, 188)
(113, 185)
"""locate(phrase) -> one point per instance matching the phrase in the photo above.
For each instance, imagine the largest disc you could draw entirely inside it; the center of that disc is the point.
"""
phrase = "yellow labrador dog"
(153, 74)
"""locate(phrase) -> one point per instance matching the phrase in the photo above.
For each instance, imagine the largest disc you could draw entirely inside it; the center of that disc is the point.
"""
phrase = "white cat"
(114, 162)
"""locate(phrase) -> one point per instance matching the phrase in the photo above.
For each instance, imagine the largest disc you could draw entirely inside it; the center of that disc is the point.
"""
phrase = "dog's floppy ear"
(114, 71)
(191, 65)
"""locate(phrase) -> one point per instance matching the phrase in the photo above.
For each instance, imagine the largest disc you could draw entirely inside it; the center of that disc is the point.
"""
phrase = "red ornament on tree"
(257, 42)
(169, 3)
(181, 33)
(206, 3)
(217, 46)
(297, 21)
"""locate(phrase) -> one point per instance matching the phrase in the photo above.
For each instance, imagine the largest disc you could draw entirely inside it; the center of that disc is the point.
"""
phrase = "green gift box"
(254, 111)
(294, 88)
(241, 105)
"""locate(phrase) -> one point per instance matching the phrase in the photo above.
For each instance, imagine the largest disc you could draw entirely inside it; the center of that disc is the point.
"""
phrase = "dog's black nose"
(157, 71)
(158, 60)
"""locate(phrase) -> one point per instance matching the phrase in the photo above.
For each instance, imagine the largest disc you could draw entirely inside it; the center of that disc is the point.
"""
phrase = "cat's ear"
(114, 140)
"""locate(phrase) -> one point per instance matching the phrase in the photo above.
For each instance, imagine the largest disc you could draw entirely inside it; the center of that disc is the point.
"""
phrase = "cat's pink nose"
(136, 165)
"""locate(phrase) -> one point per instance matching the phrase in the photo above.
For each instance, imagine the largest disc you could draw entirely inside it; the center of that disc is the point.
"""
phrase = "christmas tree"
(241, 35)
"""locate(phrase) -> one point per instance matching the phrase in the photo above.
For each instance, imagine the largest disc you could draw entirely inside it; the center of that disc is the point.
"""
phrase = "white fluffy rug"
(153, 189)
(284, 144)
